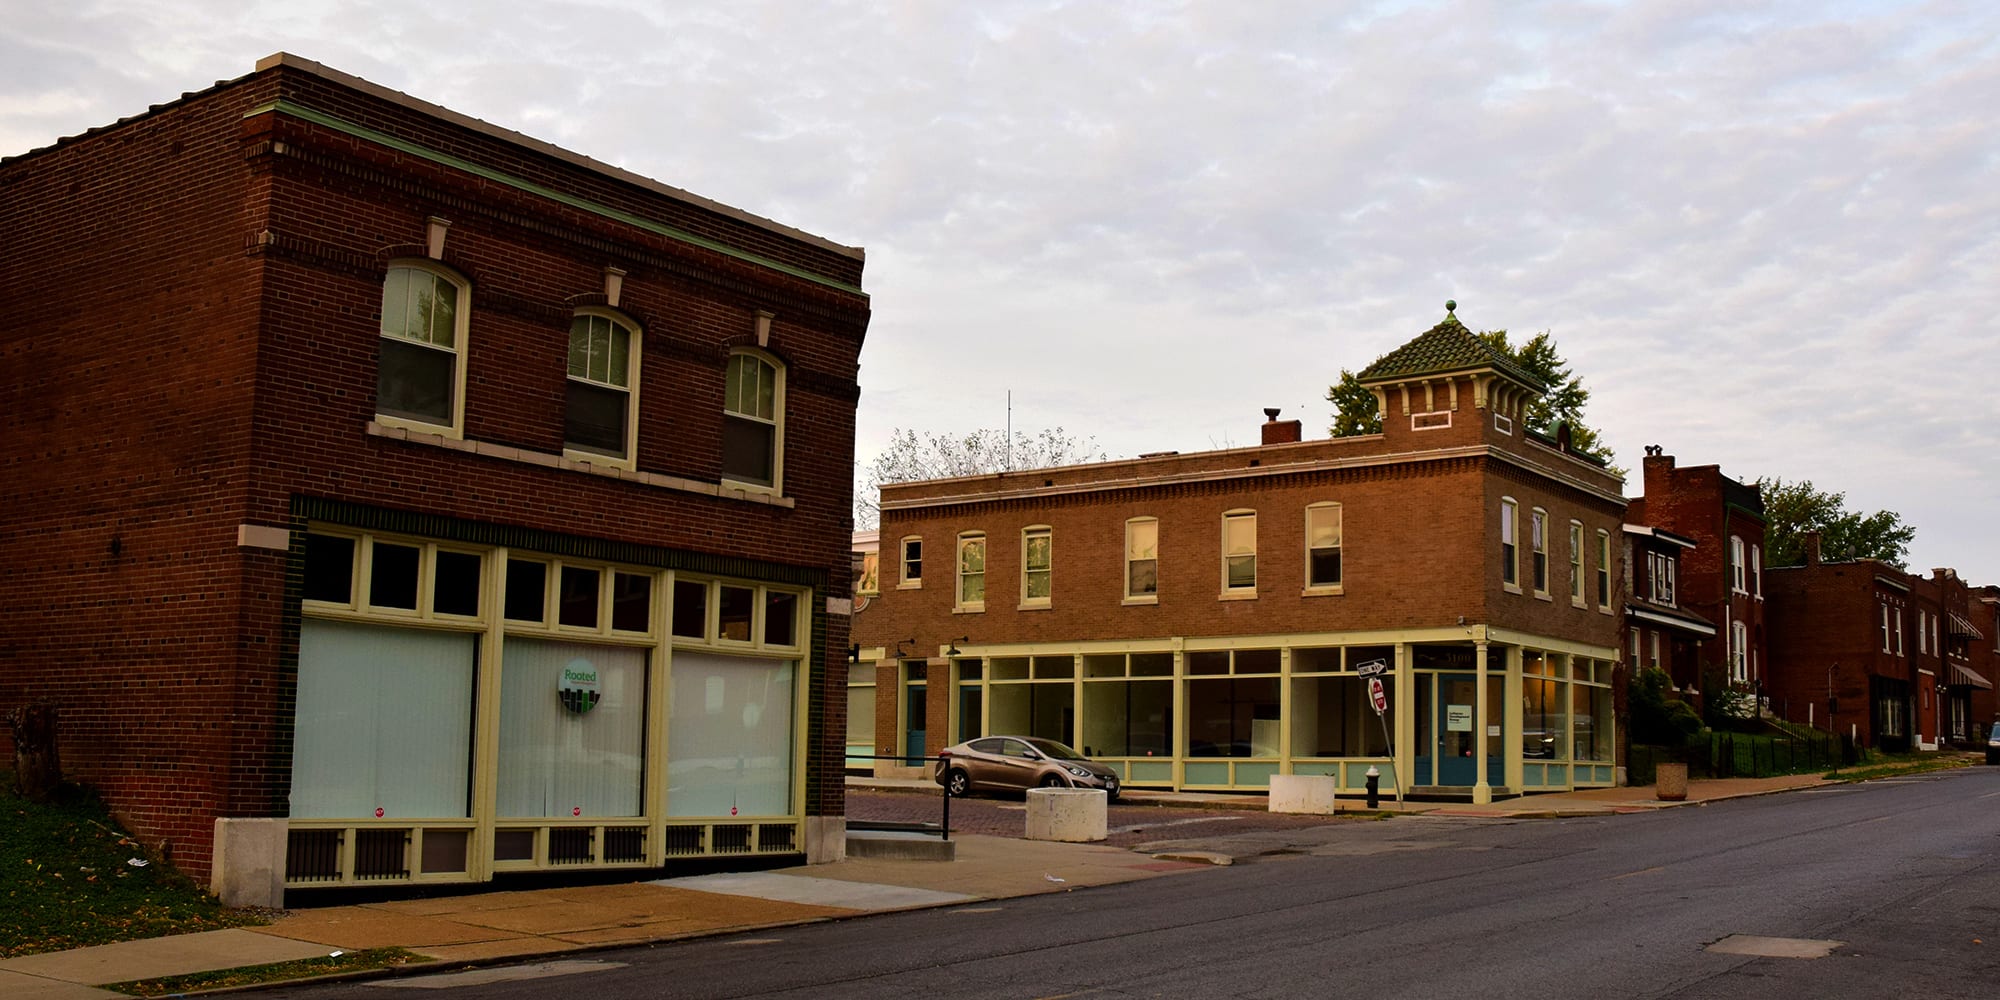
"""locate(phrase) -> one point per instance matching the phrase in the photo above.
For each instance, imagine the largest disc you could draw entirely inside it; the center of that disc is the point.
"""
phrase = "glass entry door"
(1450, 733)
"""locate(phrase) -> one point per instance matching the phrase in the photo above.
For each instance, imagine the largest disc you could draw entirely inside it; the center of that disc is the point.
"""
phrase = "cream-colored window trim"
(1028, 569)
(1604, 570)
(1141, 601)
(1510, 544)
(904, 581)
(754, 414)
(1576, 564)
(1136, 552)
(1239, 522)
(1321, 510)
(617, 322)
(461, 328)
(547, 460)
(360, 604)
(1538, 542)
(969, 565)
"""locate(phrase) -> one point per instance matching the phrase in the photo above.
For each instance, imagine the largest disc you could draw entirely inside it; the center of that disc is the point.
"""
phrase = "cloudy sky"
(1767, 235)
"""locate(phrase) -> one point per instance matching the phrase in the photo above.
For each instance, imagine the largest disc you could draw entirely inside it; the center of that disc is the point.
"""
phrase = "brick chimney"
(1279, 431)
(1812, 548)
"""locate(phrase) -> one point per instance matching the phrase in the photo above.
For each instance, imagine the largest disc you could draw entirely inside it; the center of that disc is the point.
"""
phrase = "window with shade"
(599, 419)
(420, 371)
(753, 421)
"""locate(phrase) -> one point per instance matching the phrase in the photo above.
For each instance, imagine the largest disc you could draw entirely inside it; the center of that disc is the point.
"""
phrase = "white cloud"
(1766, 234)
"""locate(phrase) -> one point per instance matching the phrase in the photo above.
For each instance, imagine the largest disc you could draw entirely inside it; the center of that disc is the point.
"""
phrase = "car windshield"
(1055, 751)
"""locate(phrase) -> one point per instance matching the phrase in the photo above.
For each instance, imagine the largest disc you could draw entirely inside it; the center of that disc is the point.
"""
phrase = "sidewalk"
(510, 925)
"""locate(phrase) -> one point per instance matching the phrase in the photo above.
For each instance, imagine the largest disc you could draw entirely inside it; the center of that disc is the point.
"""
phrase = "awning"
(1960, 626)
(1965, 677)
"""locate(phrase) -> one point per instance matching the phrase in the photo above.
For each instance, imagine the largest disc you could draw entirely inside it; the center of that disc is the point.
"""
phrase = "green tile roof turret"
(1446, 348)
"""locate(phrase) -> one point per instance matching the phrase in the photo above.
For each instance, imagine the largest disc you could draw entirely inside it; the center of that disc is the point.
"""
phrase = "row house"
(1698, 585)
(1207, 620)
(404, 501)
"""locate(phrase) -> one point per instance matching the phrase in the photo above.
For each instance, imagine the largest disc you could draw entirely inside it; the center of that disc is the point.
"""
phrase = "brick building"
(1197, 620)
(426, 500)
(1841, 648)
(1716, 581)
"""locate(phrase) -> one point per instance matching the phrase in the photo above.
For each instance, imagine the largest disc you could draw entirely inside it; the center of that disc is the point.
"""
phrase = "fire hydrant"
(1374, 788)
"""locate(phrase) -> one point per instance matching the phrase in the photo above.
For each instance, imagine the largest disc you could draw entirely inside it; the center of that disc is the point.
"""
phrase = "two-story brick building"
(440, 503)
(1198, 620)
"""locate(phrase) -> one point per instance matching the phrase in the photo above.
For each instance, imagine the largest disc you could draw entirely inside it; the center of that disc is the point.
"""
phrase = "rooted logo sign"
(578, 686)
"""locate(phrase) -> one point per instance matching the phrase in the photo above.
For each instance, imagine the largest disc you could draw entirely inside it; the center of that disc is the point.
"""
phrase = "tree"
(1792, 510)
(1355, 410)
(911, 456)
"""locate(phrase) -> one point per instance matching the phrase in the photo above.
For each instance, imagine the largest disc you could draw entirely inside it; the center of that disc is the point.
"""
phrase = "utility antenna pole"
(1010, 430)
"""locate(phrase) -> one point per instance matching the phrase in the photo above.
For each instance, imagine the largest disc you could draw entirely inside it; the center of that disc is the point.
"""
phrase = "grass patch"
(251, 975)
(1895, 766)
(66, 881)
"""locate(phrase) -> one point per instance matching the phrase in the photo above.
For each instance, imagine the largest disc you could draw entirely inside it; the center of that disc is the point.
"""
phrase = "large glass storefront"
(1230, 717)
(465, 711)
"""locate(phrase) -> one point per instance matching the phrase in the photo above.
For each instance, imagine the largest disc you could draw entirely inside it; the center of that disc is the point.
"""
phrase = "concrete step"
(899, 845)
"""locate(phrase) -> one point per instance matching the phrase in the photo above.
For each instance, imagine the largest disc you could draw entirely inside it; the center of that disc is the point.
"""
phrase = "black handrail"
(944, 823)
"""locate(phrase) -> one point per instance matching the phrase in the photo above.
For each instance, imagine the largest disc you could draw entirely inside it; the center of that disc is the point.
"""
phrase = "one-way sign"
(1371, 667)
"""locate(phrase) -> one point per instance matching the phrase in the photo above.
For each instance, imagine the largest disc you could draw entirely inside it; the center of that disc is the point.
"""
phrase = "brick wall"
(191, 328)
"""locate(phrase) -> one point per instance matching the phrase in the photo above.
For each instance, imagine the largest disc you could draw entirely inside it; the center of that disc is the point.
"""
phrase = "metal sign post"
(1380, 700)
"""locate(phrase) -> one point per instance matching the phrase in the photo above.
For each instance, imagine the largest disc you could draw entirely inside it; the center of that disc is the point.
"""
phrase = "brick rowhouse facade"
(193, 299)
(1720, 577)
(1384, 546)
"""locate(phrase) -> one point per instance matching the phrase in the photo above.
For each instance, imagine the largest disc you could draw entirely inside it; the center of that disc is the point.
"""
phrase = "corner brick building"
(433, 502)
(1202, 620)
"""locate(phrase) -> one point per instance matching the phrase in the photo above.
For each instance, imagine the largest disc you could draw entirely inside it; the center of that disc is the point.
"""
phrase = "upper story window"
(753, 420)
(1538, 524)
(1757, 570)
(1037, 563)
(1323, 546)
(1510, 561)
(1661, 568)
(1576, 563)
(603, 372)
(1885, 629)
(1239, 552)
(1142, 559)
(972, 571)
(1739, 568)
(420, 377)
(913, 562)
(1603, 570)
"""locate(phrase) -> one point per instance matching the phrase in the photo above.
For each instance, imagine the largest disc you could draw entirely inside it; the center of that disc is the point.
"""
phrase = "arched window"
(420, 373)
(600, 417)
(753, 420)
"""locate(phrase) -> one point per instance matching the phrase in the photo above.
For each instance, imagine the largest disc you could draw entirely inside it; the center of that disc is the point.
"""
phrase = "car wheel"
(1053, 781)
(957, 783)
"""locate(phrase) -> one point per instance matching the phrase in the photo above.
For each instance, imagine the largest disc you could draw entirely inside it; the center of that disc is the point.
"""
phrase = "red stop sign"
(1377, 695)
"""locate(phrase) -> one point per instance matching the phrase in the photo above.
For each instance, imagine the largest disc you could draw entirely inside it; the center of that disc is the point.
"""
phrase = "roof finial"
(1450, 306)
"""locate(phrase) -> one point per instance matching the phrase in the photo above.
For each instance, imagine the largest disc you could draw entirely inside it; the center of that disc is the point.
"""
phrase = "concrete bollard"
(1071, 815)
(1304, 793)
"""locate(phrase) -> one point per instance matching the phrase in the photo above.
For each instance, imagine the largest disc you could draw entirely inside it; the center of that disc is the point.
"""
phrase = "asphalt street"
(1887, 889)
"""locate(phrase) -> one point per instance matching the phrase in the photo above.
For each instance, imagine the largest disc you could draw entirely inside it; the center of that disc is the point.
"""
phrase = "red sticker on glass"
(378, 812)
(576, 810)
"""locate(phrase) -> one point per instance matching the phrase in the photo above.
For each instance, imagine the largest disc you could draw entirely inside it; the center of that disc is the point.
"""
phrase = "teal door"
(916, 704)
(1457, 727)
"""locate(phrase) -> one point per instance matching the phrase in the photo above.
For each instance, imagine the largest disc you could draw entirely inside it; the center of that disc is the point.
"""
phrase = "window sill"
(1035, 606)
(413, 426)
(1133, 602)
(1334, 591)
(1577, 603)
(1512, 588)
(1237, 595)
(970, 609)
(524, 456)
(1543, 595)
(602, 461)
(911, 585)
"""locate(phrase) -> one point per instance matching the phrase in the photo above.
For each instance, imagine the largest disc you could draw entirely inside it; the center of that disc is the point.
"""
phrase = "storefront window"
(729, 739)
(572, 730)
(1334, 717)
(1233, 717)
(384, 722)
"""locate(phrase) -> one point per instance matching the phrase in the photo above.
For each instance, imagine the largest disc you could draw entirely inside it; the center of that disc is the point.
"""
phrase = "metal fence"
(1739, 755)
